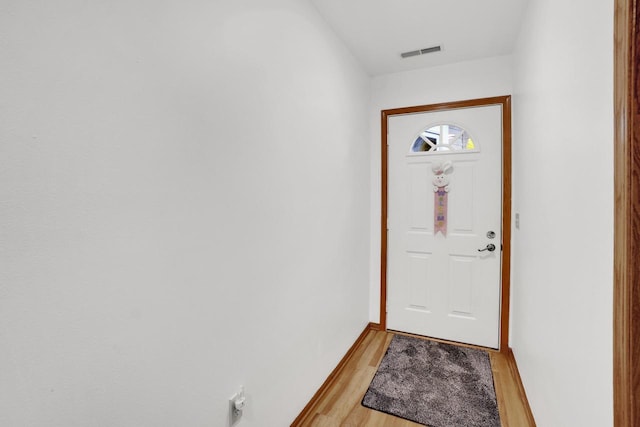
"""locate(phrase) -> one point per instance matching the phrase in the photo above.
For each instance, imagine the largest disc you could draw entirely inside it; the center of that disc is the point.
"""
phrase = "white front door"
(444, 213)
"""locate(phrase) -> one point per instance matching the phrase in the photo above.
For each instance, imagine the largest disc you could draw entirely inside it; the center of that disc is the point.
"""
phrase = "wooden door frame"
(626, 286)
(505, 102)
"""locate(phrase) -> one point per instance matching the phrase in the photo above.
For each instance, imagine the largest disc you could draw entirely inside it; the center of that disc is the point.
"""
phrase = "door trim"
(626, 282)
(505, 102)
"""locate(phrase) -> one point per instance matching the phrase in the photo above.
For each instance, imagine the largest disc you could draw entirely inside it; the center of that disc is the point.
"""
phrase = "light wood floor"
(339, 404)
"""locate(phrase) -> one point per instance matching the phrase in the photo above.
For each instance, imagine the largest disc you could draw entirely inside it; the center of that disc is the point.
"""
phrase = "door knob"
(490, 247)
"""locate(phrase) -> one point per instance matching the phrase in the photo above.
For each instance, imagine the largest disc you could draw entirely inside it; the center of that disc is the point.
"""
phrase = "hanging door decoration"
(440, 190)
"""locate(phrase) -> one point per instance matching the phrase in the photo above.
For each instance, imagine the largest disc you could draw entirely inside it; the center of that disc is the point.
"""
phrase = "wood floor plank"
(340, 405)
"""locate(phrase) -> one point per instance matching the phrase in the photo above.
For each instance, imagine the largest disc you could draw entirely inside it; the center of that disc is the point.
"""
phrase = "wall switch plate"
(518, 220)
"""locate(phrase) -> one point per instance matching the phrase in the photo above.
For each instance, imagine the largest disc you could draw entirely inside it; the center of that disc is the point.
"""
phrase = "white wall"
(455, 82)
(563, 181)
(184, 199)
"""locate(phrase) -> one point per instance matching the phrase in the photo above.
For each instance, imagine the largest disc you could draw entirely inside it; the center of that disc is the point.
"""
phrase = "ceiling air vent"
(421, 51)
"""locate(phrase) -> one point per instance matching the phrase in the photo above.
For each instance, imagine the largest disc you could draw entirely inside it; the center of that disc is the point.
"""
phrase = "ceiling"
(377, 31)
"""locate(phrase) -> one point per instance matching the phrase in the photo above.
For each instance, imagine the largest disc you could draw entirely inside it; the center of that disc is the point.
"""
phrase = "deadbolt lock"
(491, 234)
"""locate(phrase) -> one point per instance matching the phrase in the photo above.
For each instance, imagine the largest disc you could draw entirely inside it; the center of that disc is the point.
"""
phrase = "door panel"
(441, 285)
(421, 188)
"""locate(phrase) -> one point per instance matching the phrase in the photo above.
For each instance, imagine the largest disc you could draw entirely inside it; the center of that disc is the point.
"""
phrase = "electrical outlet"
(236, 406)
(518, 220)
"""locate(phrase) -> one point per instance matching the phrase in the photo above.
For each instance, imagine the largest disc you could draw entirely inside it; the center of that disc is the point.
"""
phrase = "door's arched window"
(443, 138)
